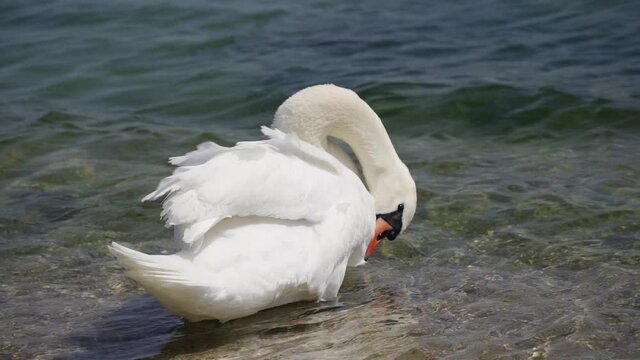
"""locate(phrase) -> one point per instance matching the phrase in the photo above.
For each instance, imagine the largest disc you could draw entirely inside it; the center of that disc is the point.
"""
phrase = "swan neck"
(319, 112)
(365, 134)
(373, 149)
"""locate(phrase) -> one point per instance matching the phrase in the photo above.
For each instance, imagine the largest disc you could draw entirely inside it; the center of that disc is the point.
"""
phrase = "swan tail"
(169, 278)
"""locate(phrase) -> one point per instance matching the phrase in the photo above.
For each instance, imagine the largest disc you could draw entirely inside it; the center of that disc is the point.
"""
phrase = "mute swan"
(265, 223)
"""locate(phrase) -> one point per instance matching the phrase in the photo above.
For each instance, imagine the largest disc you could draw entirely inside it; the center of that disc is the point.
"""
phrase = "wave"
(495, 109)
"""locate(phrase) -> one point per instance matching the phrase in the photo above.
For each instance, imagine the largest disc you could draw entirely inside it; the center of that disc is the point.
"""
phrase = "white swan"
(270, 222)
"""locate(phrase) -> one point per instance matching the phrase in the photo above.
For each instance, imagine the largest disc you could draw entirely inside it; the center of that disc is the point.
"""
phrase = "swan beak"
(381, 226)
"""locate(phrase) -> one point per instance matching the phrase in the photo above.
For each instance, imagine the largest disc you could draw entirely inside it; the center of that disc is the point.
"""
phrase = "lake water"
(520, 124)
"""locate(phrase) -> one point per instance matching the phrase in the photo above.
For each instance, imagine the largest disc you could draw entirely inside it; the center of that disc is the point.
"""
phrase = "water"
(520, 123)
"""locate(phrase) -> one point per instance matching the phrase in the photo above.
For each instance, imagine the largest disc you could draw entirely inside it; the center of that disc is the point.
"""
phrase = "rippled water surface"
(520, 123)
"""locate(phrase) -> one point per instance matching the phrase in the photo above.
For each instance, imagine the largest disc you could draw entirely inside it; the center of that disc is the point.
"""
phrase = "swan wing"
(281, 177)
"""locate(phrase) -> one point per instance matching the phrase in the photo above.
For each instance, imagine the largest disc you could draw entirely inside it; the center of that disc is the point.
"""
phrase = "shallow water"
(521, 125)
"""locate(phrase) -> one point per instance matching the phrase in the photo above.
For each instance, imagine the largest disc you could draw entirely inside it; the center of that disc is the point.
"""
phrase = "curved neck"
(370, 143)
(340, 113)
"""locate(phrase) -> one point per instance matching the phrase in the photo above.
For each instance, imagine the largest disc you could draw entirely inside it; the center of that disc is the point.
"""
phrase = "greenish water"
(520, 123)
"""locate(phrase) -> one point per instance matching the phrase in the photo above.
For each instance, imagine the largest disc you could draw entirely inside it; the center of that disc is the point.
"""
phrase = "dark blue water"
(519, 121)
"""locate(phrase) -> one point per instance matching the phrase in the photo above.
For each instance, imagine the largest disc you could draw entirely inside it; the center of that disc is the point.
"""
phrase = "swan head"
(395, 198)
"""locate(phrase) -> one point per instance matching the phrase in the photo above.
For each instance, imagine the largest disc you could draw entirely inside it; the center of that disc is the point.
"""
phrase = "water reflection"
(140, 327)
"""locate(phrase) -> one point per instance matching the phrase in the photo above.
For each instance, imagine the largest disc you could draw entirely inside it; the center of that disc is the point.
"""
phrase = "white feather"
(262, 223)
(287, 205)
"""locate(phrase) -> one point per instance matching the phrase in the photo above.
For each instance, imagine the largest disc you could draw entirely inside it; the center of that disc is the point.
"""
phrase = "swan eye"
(400, 207)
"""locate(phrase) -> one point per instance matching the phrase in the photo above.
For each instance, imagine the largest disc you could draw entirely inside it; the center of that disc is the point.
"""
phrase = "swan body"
(275, 221)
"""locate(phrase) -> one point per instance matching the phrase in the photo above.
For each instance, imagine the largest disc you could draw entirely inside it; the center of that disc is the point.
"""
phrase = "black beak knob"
(394, 219)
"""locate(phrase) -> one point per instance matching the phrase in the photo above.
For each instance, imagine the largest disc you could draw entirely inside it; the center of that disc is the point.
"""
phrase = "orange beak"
(381, 226)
